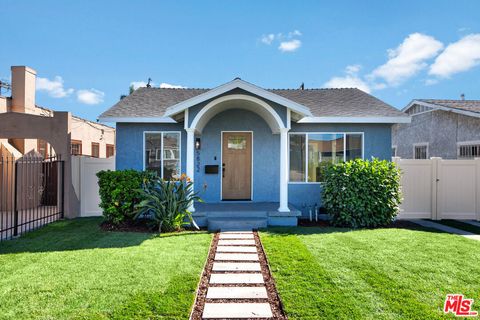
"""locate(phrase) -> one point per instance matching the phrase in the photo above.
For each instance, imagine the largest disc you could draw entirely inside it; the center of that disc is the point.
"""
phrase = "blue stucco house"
(254, 154)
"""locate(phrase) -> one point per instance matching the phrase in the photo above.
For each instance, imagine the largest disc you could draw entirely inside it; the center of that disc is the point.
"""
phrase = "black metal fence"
(31, 193)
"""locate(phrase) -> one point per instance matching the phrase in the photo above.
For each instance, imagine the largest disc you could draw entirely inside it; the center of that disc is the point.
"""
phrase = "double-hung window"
(162, 153)
(311, 152)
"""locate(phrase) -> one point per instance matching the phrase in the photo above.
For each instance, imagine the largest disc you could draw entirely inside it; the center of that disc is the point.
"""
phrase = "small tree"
(362, 193)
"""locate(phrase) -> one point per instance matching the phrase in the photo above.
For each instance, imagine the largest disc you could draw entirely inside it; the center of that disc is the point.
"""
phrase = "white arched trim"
(214, 107)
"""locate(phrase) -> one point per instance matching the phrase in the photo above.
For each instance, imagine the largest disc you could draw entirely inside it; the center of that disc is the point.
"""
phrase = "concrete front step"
(236, 310)
(237, 214)
(231, 223)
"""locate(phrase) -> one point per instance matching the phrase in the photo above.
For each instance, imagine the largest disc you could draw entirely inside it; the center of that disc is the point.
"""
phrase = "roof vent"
(237, 78)
(462, 96)
(148, 83)
(302, 86)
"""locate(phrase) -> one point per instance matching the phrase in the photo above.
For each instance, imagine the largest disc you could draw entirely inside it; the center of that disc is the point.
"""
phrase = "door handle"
(223, 170)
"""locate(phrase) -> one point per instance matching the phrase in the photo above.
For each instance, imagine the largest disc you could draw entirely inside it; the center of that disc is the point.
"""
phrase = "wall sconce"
(197, 144)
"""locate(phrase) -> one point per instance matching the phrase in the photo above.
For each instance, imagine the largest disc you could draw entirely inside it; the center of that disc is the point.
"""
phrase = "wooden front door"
(237, 166)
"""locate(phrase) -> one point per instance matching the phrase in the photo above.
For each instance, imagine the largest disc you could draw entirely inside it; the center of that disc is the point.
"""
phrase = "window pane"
(297, 157)
(171, 155)
(323, 149)
(354, 146)
(153, 151)
(421, 152)
(237, 142)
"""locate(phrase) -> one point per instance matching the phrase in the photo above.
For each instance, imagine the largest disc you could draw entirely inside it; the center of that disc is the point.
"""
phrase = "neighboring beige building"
(88, 137)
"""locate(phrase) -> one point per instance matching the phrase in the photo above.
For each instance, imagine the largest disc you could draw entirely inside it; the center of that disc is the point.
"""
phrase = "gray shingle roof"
(465, 105)
(344, 102)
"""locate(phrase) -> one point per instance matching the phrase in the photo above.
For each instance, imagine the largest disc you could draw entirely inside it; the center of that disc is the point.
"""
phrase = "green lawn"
(73, 270)
(370, 274)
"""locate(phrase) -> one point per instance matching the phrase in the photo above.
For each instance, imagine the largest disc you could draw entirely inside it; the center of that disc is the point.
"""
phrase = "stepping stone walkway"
(236, 275)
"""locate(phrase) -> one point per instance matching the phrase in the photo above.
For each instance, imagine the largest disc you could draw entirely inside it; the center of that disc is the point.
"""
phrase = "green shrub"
(362, 193)
(119, 193)
(167, 202)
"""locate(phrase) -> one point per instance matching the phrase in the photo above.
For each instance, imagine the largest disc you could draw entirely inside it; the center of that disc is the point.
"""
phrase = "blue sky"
(87, 53)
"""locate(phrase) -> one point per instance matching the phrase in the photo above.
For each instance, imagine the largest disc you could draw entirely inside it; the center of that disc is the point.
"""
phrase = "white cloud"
(287, 42)
(91, 96)
(138, 84)
(407, 59)
(294, 33)
(350, 80)
(457, 57)
(54, 88)
(171, 86)
(290, 46)
(268, 38)
(431, 82)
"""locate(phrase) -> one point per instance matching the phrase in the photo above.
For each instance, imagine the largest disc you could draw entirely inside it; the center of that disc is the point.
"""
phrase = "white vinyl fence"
(440, 189)
(85, 182)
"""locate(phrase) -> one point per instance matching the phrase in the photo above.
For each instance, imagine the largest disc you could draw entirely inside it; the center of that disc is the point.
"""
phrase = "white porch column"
(190, 158)
(284, 170)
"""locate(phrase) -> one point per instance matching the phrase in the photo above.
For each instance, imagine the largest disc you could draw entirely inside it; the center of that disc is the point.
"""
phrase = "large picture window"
(162, 153)
(310, 152)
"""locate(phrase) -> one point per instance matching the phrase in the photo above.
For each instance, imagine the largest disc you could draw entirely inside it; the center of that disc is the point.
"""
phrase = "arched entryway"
(255, 105)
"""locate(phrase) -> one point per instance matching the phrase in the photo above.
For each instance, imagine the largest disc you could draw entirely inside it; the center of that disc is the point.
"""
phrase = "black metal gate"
(31, 193)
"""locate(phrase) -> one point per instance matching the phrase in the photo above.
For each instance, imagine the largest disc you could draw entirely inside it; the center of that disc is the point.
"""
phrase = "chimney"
(462, 96)
(23, 88)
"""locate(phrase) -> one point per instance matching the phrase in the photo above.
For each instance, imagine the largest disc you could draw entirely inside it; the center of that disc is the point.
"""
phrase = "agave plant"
(167, 203)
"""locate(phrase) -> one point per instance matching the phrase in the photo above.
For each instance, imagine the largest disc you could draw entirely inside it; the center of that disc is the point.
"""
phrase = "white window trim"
(421, 144)
(161, 150)
(306, 152)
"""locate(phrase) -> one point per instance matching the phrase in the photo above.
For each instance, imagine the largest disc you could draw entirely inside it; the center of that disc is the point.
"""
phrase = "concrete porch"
(243, 215)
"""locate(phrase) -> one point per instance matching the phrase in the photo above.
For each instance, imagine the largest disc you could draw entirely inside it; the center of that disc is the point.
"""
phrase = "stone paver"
(237, 232)
(236, 242)
(237, 249)
(236, 266)
(236, 256)
(236, 236)
(236, 278)
(237, 293)
(237, 310)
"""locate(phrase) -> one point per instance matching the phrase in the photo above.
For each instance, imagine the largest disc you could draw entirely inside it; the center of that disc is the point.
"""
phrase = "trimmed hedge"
(362, 193)
(120, 191)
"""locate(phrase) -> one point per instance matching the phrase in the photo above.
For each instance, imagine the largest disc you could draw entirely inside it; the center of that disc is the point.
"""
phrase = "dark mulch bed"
(308, 223)
(273, 298)
(399, 224)
(130, 226)
(141, 225)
